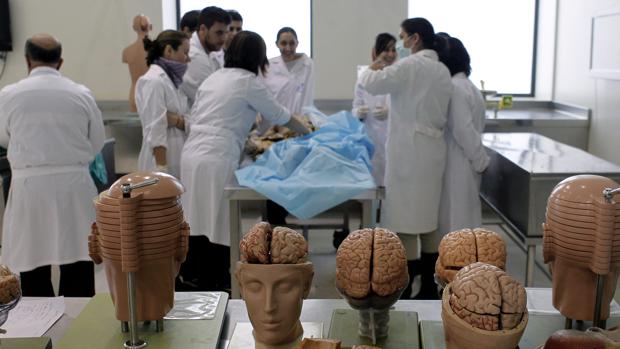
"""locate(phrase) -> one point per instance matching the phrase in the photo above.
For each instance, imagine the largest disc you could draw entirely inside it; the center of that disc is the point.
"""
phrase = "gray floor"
(323, 254)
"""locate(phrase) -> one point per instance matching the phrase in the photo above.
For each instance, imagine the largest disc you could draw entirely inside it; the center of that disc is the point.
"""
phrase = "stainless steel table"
(524, 169)
(236, 194)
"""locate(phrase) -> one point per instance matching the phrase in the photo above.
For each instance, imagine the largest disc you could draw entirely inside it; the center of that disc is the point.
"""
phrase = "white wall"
(573, 83)
(343, 35)
(93, 34)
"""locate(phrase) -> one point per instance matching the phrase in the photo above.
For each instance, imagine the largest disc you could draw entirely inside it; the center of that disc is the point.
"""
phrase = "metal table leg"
(530, 265)
(235, 235)
(367, 221)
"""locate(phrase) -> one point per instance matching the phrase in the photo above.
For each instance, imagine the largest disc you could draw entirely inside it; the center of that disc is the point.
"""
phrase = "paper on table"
(32, 318)
(539, 302)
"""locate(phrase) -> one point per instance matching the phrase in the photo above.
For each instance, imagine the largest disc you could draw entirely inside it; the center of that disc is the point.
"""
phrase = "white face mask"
(401, 50)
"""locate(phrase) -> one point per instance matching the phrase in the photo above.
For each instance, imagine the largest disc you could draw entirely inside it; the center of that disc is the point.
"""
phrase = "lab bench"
(524, 169)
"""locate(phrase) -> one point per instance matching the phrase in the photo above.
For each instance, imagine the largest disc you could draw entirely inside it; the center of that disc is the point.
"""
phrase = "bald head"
(43, 50)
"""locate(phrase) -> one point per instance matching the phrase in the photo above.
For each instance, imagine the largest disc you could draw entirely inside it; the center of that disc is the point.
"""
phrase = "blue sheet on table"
(310, 174)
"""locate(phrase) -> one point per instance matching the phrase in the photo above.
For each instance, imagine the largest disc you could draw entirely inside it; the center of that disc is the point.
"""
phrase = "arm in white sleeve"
(151, 103)
(4, 121)
(96, 130)
(460, 124)
(360, 108)
(263, 102)
(387, 80)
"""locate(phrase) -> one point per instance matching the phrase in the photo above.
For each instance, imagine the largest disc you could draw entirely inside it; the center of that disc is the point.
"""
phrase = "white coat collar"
(195, 41)
(44, 71)
(428, 53)
(278, 60)
(460, 75)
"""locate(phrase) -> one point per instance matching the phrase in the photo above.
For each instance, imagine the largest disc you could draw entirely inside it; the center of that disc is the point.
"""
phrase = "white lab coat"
(376, 128)
(293, 89)
(460, 203)
(225, 109)
(156, 95)
(202, 65)
(53, 129)
(420, 89)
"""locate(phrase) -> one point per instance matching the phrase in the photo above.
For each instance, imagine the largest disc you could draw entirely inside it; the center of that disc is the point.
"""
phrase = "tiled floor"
(323, 254)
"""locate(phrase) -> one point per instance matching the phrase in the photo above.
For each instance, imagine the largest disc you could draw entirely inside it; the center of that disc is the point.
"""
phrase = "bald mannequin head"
(142, 25)
(43, 50)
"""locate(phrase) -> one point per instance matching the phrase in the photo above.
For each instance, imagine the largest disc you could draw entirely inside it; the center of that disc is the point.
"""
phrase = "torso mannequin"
(135, 56)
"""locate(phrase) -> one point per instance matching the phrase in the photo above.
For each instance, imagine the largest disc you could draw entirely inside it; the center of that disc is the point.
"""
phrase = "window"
(498, 34)
(266, 17)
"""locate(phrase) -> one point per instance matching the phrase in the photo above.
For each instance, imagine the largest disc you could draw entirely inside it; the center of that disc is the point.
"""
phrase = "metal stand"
(134, 342)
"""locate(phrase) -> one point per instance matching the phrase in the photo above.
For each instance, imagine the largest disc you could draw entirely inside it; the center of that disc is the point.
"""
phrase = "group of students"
(197, 103)
(422, 112)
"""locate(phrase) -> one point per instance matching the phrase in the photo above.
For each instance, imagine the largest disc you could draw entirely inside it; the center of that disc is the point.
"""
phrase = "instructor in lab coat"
(53, 129)
(420, 89)
(374, 109)
(460, 203)
(225, 109)
(161, 106)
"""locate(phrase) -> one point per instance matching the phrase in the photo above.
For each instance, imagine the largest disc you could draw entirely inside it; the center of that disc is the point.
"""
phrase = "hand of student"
(377, 65)
(175, 120)
(381, 113)
(362, 112)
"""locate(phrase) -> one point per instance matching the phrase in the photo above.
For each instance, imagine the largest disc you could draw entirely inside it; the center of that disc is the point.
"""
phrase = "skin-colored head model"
(274, 279)
(134, 55)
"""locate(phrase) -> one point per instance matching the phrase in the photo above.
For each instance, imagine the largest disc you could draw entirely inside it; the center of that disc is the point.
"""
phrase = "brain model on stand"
(592, 338)
(274, 278)
(461, 248)
(483, 308)
(9, 285)
(371, 262)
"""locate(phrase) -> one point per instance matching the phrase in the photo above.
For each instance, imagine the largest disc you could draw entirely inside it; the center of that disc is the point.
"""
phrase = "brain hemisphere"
(288, 246)
(487, 298)
(354, 275)
(278, 246)
(463, 247)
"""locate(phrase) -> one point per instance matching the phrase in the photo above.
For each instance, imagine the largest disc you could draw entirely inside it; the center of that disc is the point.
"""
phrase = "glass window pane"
(498, 34)
(266, 17)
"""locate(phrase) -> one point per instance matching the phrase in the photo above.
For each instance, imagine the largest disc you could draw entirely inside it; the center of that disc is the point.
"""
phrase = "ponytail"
(155, 48)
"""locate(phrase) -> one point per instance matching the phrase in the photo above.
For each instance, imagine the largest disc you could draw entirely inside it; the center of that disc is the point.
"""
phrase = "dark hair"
(457, 58)
(247, 50)
(155, 48)
(210, 15)
(425, 30)
(286, 30)
(235, 16)
(43, 55)
(190, 20)
(382, 42)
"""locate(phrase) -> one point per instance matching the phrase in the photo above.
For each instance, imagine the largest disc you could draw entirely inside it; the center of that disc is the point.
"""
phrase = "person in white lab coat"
(420, 89)
(235, 26)
(161, 106)
(374, 109)
(460, 203)
(53, 130)
(291, 75)
(189, 22)
(204, 46)
(225, 109)
(290, 78)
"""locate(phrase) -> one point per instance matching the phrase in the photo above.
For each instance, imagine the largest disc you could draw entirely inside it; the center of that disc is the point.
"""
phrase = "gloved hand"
(162, 168)
(362, 112)
(380, 113)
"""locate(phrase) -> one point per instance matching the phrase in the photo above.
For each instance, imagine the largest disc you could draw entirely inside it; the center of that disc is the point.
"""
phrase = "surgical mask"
(401, 50)
(174, 69)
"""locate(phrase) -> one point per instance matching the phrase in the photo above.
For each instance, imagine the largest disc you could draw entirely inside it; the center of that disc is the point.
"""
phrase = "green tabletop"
(403, 332)
(26, 343)
(97, 328)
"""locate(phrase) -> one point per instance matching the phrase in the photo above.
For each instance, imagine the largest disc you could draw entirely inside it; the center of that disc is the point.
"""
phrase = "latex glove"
(162, 168)
(362, 112)
(380, 113)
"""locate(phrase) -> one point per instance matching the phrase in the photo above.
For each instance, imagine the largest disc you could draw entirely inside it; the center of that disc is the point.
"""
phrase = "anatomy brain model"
(9, 285)
(371, 261)
(461, 248)
(483, 307)
(279, 245)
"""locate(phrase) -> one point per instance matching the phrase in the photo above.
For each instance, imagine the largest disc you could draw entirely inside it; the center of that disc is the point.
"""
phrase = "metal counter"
(236, 194)
(524, 169)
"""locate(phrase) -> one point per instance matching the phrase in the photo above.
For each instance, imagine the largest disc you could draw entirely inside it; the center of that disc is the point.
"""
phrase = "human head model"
(274, 278)
(142, 25)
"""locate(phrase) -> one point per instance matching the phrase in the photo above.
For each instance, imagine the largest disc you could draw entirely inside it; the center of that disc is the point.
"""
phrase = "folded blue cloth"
(310, 174)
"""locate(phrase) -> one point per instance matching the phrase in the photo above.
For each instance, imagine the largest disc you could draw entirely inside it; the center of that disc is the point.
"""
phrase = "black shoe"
(428, 290)
(339, 236)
